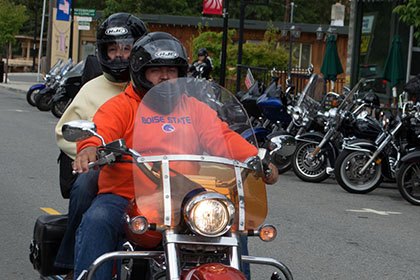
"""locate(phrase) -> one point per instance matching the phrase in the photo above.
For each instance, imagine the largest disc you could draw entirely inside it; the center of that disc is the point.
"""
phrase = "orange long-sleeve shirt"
(154, 134)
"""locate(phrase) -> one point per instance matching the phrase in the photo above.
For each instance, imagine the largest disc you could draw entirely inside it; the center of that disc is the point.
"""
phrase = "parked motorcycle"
(363, 163)
(43, 98)
(67, 89)
(408, 171)
(316, 153)
(48, 81)
(189, 210)
(282, 143)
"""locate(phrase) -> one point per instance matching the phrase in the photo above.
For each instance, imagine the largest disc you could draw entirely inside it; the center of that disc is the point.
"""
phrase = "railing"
(299, 78)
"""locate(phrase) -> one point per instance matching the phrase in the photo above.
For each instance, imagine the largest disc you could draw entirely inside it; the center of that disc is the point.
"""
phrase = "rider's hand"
(83, 158)
(274, 175)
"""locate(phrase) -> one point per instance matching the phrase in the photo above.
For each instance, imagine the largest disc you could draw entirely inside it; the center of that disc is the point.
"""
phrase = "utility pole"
(224, 44)
(289, 68)
(34, 42)
(52, 4)
(41, 36)
(241, 35)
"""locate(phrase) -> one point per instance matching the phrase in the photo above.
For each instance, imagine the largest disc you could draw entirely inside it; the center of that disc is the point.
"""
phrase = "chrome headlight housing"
(62, 82)
(331, 113)
(209, 214)
(297, 113)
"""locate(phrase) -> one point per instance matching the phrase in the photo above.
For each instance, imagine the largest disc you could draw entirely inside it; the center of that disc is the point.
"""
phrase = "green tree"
(170, 7)
(115, 6)
(409, 13)
(266, 54)
(12, 18)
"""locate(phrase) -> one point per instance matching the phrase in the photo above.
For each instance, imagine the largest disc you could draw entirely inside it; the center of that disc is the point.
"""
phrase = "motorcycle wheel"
(347, 168)
(58, 107)
(310, 169)
(30, 96)
(408, 181)
(43, 101)
(282, 163)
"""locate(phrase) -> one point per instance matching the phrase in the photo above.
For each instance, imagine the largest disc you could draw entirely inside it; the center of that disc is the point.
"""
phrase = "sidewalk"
(21, 82)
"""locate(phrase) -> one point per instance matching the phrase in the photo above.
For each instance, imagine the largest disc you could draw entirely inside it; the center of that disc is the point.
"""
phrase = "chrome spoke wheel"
(353, 178)
(409, 183)
(309, 165)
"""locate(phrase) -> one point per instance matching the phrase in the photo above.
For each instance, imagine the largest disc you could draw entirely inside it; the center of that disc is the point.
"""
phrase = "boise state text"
(161, 119)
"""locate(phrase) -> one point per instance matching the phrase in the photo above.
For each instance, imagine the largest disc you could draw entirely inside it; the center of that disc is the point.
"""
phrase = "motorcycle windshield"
(313, 93)
(182, 132)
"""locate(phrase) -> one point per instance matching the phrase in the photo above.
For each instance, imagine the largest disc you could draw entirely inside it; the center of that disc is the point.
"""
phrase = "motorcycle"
(281, 142)
(67, 89)
(272, 105)
(316, 153)
(43, 98)
(363, 164)
(48, 80)
(189, 211)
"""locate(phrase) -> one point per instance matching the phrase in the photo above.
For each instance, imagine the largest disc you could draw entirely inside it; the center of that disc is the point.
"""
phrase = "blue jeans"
(84, 190)
(100, 232)
(244, 252)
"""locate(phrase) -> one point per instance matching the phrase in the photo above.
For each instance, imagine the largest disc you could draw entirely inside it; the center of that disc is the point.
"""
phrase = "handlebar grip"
(90, 165)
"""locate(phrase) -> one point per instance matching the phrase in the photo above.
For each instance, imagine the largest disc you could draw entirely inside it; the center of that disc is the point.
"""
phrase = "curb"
(13, 88)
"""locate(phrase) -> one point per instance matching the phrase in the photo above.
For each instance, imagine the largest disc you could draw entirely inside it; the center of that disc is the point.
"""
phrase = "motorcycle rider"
(115, 38)
(202, 67)
(155, 58)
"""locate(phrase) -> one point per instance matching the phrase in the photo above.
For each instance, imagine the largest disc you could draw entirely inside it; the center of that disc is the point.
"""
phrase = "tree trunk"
(6, 69)
(287, 12)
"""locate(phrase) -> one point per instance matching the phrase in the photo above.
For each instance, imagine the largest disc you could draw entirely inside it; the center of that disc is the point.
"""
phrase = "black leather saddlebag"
(48, 233)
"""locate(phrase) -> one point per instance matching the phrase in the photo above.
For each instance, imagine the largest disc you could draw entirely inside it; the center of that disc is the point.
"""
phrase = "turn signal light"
(138, 225)
(267, 233)
(379, 161)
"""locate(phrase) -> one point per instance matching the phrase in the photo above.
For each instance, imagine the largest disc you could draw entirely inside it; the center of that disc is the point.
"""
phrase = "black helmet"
(120, 28)
(202, 52)
(371, 98)
(156, 49)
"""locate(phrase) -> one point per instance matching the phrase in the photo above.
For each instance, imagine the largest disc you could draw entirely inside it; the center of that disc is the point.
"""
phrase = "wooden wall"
(186, 34)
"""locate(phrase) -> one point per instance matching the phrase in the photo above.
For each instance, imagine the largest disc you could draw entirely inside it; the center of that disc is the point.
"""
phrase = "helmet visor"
(111, 49)
(158, 53)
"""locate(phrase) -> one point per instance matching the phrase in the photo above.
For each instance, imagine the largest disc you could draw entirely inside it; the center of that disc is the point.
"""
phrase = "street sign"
(85, 12)
(84, 25)
(79, 18)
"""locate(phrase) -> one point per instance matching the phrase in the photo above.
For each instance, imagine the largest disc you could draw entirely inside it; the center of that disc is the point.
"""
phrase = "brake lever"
(106, 159)
(261, 163)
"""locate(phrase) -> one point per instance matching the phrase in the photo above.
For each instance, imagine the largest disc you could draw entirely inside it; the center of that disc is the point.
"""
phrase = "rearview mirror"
(79, 130)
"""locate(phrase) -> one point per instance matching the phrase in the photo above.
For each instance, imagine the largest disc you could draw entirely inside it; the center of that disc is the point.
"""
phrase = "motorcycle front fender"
(59, 95)
(37, 86)
(316, 138)
(360, 145)
(285, 143)
(46, 90)
(260, 132)
(214, 271)
(411, 157)
(310, 137)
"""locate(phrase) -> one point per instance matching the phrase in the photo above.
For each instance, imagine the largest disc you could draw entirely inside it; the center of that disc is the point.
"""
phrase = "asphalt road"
(323, 231)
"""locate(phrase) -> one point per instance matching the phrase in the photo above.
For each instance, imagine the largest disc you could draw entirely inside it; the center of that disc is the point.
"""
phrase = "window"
(301, 53)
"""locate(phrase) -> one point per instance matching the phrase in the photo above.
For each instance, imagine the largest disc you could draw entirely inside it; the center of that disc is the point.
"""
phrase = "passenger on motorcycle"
(155, 58)
(115, 38)
(202, 67)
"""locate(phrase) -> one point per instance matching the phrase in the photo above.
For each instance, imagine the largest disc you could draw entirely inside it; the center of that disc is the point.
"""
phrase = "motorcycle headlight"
(62, 82)
(297, 113)
(210, 214)
(331, 113)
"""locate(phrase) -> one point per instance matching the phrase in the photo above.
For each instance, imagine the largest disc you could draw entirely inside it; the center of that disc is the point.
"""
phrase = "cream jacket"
(84, 106)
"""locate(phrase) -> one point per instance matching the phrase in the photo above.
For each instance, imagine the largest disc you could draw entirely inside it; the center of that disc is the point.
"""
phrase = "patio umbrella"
(331, 64)
(394, 70)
